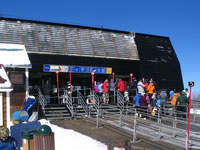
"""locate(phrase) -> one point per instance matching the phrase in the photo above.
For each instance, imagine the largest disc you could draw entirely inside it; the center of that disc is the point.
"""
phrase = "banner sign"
(77, 69)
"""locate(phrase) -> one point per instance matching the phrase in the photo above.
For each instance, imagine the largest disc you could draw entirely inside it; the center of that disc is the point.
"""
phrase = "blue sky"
(177, 19)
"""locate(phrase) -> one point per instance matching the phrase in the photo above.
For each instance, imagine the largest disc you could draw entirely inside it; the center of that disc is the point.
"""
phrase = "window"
(17, 78)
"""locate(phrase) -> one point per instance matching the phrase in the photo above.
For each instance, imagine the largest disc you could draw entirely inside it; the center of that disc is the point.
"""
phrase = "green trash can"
(44, 138)
(27, 139)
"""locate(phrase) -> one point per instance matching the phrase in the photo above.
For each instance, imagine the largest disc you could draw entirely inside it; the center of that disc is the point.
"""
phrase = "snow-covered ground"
(67, 139)
(195, 111)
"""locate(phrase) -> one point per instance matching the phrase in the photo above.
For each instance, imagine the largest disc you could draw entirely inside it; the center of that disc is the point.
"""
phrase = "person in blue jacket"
(137, 100)
(137, 103)
(7, 142)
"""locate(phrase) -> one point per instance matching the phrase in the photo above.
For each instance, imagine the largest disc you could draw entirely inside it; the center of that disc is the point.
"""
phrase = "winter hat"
(4, 132)
(158, 102)
(171, 93)
(183, 92)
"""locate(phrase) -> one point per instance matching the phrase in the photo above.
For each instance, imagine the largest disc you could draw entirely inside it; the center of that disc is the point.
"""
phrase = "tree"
(196, 96)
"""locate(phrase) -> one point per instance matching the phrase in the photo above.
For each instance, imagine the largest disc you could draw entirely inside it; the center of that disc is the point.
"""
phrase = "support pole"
(120, 119)
(113, 76)
(92, 98)
(131, 77)
(97, 125)
(57, 77)
(134, 127)
(174, 126)
(188, 132)
(70, 85)
(92, 81)
(8, 109)
(27, 83)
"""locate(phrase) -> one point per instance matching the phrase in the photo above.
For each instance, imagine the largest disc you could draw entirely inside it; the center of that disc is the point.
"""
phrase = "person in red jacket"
(105, 87)
(146, 84)
(121, 86)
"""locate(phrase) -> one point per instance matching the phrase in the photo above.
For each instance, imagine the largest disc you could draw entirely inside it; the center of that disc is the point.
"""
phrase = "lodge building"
(81, 50)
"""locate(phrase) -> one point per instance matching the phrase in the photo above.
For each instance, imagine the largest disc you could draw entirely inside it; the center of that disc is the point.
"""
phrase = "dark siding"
(159, 61)
(119, 66)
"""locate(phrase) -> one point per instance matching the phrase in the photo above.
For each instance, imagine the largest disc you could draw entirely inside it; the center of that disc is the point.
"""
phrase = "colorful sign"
(77, 69)
(54, 68)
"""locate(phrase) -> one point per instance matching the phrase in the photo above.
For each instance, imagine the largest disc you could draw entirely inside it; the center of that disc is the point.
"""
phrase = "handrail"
(120, 101)
(82, 102)
(42, 100)
(68, 103)
(97, 100)
(160, 128)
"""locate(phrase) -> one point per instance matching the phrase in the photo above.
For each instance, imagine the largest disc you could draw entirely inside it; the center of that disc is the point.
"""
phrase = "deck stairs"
(57, 112)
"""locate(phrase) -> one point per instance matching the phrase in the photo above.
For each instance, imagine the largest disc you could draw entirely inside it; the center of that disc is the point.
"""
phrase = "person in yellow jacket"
(173, 102)
(151, 88)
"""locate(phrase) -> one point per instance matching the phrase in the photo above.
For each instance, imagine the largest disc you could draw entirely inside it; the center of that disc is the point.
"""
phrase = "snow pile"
(66, 139)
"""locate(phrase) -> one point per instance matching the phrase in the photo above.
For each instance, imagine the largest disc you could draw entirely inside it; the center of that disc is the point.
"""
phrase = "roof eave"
(6, 89)
(18, 66)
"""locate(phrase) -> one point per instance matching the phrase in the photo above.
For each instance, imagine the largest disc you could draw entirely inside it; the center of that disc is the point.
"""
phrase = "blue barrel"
(29, 104)
(20, 115)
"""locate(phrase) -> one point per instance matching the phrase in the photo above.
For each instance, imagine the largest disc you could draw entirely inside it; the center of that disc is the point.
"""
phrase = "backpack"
(147, 99)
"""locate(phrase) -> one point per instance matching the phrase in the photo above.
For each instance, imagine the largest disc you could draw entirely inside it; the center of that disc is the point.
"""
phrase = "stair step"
(66, 114)
(54, 108)
(56, 111)
(81, 115)
(58, 118)
(55, 105)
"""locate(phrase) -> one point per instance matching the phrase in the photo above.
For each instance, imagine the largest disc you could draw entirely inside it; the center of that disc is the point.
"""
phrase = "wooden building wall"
(18, 94)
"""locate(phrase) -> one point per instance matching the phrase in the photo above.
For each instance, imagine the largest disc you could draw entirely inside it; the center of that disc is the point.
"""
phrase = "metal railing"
(195, 111)
(96, 99)
(82, 102)
(68, 103)
(42, 100)
(159, 126)
(120, 101)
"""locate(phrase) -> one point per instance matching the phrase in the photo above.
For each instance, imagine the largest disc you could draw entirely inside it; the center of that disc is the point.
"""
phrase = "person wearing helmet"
(7, 142)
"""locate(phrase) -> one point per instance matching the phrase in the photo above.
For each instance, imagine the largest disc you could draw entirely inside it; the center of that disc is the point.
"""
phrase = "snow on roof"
(14, 56)
(5, 84)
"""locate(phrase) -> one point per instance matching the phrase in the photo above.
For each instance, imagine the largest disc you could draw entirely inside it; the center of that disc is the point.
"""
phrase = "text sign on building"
(54, 68)
(77, 69)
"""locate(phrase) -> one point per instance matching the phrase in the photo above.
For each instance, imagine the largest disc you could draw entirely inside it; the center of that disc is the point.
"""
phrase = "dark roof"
(62, 24)
(65, 39)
